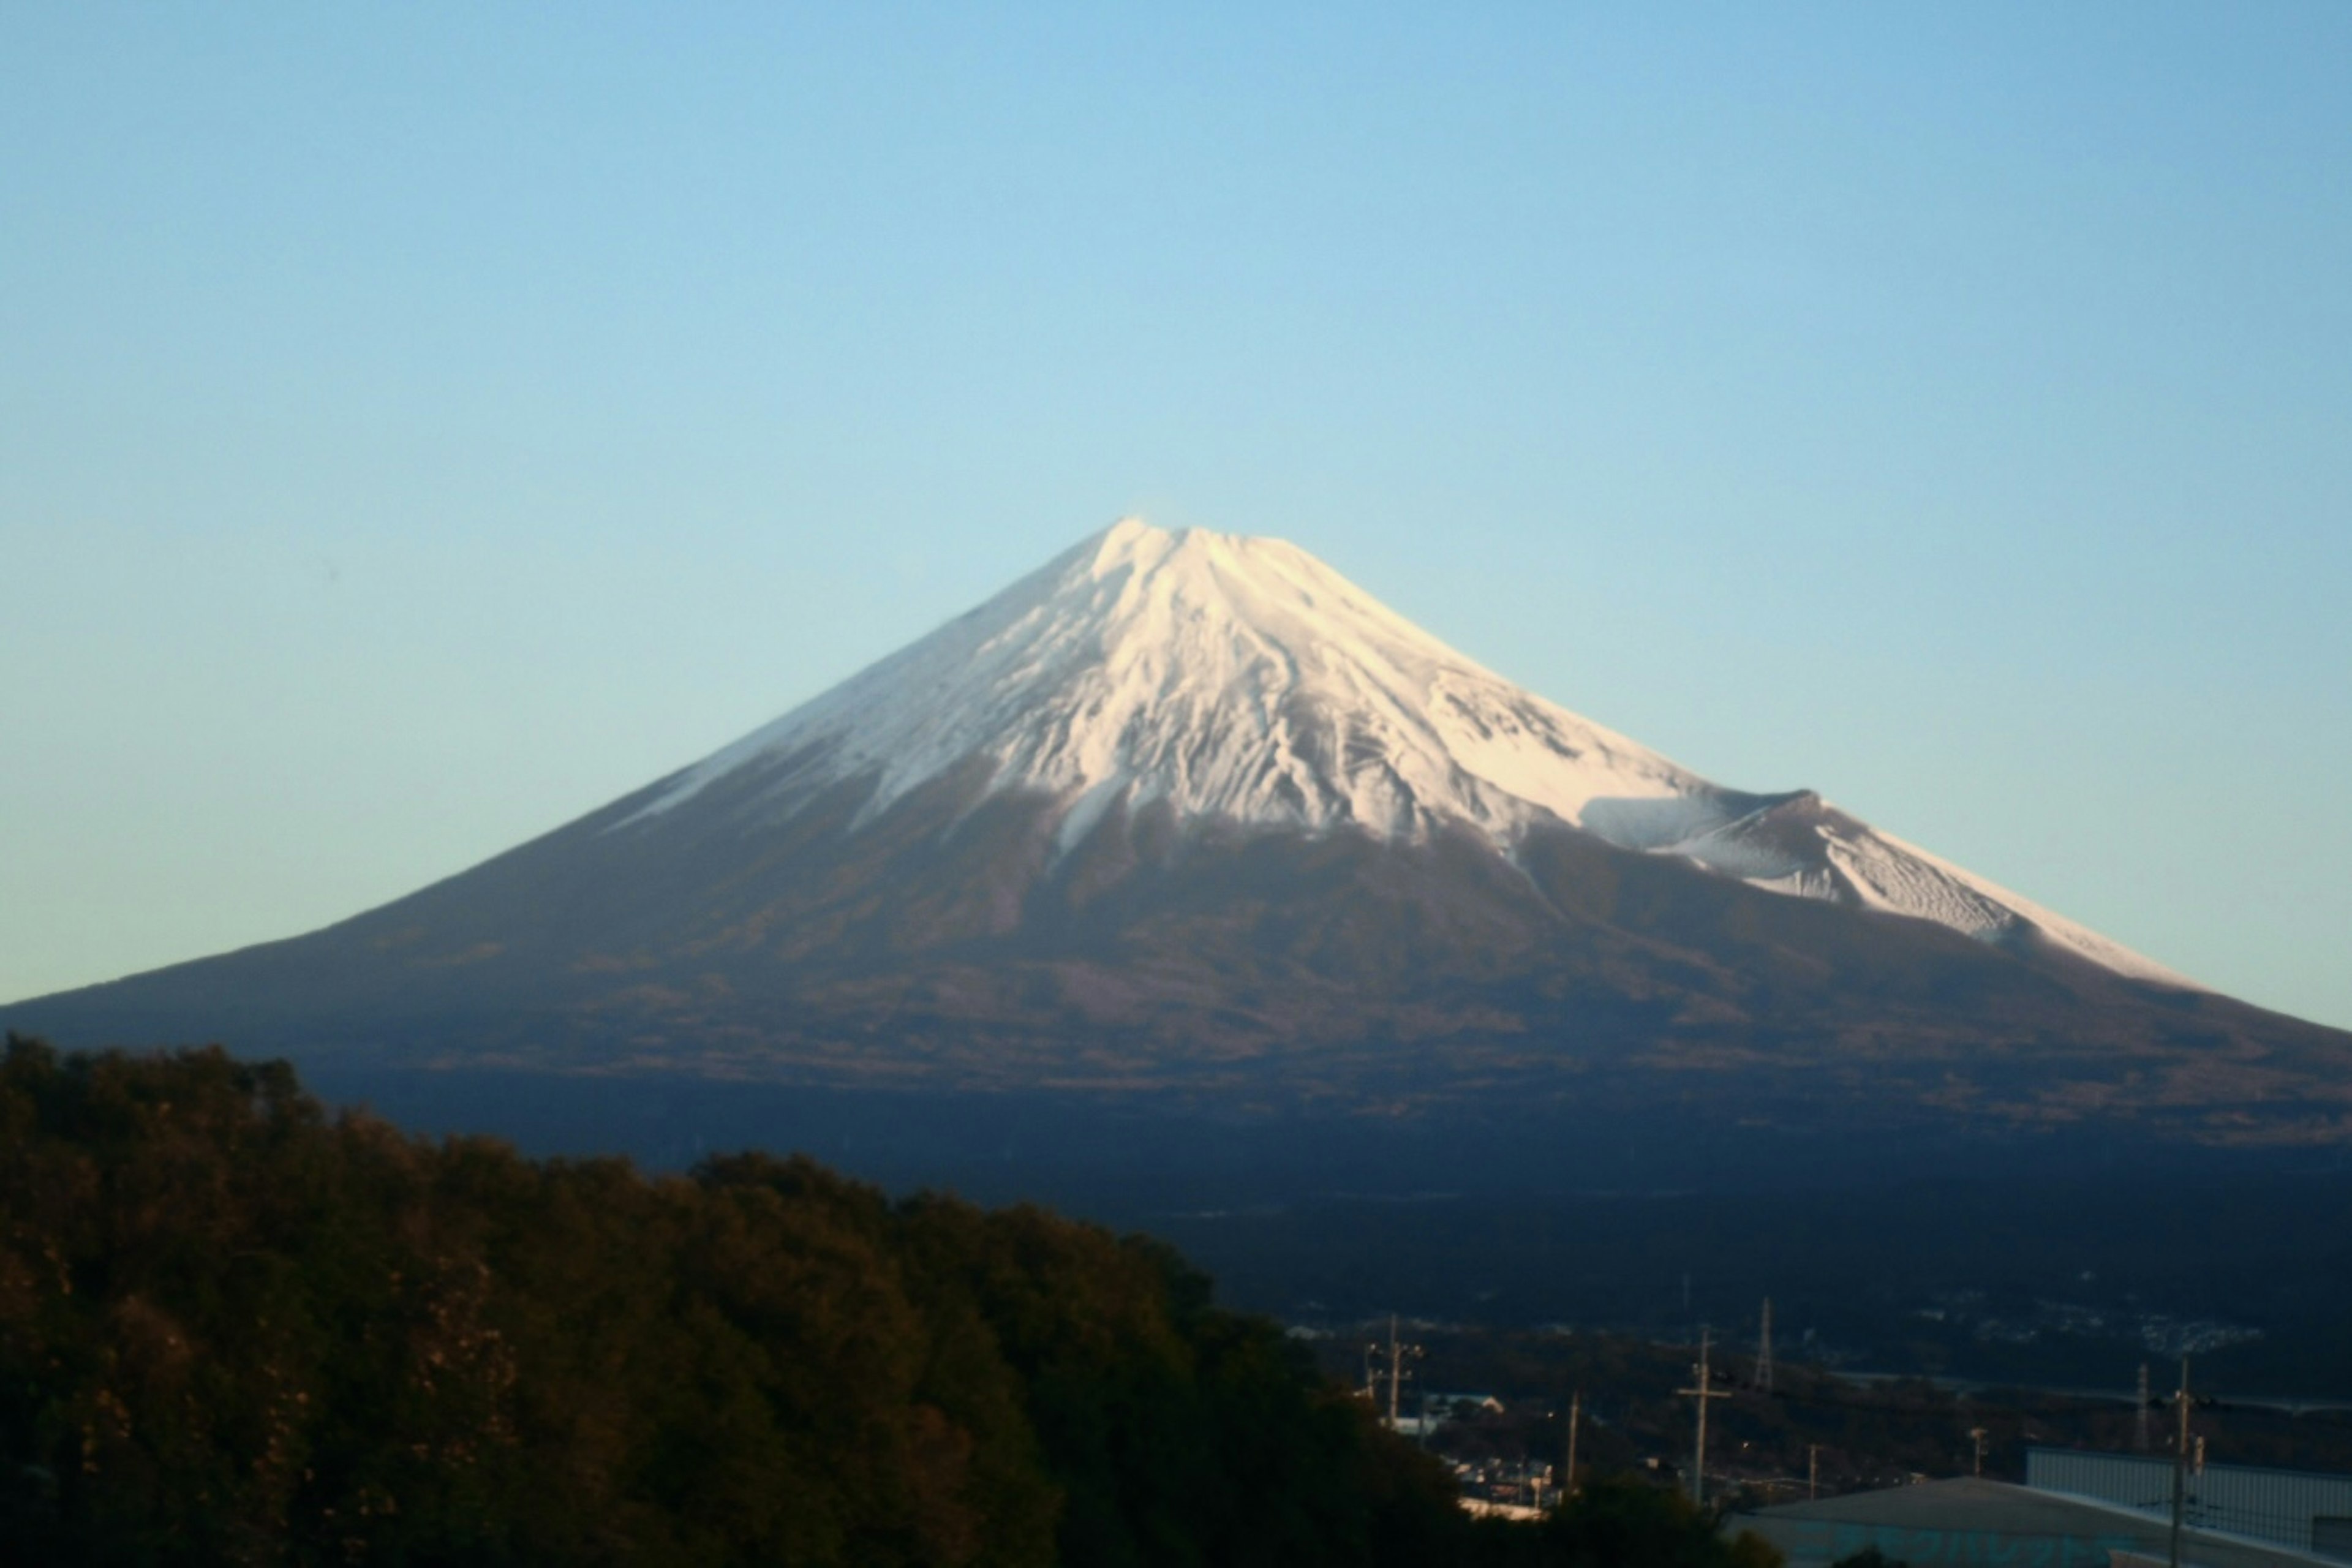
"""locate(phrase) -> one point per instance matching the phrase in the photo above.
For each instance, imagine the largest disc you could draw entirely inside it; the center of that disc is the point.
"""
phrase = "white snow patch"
(2082, 940)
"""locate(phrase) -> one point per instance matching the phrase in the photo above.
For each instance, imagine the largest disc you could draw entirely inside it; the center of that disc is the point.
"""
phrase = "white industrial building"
(2078, 1510)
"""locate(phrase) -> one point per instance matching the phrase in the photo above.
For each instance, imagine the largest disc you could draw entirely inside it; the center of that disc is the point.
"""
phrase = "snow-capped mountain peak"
(1240, 680)
(1235, 679)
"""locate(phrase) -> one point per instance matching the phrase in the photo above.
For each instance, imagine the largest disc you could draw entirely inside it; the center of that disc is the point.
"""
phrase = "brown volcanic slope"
(943, 946)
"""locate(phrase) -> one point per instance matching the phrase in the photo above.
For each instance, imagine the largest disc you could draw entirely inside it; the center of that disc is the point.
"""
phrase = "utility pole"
(1979, 1434)
(2180, 1465)
(1764, 1350)
(2140, 1443)
(1396, 1371)
(1575, 1418)
(1812, 1470)
(1392, 1356)
(1394, 1364)
(1704, 1391)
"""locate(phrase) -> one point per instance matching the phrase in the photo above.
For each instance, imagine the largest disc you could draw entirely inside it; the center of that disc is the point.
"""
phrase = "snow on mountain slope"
(1242, 681)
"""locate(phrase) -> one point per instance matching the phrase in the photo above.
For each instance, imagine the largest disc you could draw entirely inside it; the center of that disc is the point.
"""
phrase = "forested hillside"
(233, 1330)
(236, 1330)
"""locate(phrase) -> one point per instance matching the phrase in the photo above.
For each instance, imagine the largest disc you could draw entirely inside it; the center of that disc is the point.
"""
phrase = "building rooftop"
(1977, 1523)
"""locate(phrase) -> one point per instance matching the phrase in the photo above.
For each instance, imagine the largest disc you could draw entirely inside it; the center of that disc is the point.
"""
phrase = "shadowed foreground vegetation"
(235, 1329)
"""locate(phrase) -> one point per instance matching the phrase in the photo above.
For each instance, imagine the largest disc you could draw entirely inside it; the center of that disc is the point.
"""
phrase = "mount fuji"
(1188, 815)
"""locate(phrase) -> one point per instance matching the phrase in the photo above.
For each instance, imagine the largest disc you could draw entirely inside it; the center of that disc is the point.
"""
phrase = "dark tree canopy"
(234, 1329)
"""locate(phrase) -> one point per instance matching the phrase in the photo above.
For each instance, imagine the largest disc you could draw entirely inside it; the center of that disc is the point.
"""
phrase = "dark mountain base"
(944, 948)
(1169, 1148)
(2059, 1258)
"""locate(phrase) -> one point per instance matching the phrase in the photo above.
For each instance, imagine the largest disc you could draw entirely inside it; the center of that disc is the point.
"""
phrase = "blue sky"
(421, 424)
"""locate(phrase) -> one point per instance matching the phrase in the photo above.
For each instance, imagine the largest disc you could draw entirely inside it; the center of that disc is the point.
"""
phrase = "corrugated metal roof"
(2277, 1506)
(1984, 1524)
